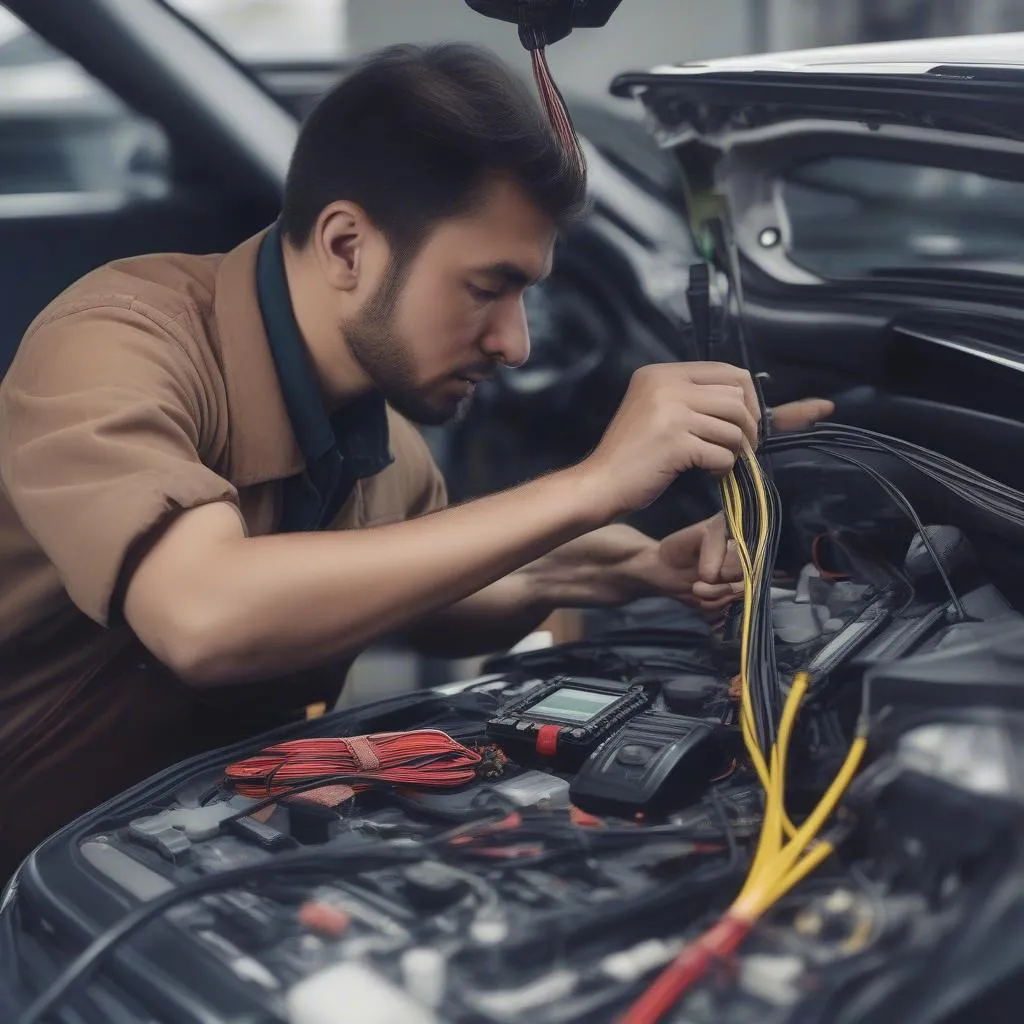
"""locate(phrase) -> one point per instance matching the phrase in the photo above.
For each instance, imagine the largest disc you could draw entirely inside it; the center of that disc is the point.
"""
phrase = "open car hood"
(854, 164)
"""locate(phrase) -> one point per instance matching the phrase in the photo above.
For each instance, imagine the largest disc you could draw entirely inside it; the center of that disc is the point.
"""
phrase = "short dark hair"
(413, 134)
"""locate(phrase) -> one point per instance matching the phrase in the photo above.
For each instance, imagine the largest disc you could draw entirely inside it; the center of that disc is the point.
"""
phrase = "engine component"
(493, 899)
(953, 553)
(657, 760)
(353, 993)
(985, 667)
(689, 694)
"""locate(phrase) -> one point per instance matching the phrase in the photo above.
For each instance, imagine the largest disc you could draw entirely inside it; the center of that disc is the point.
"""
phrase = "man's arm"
(218, 607)
(493, 619)
(605, 568)
(591, 571)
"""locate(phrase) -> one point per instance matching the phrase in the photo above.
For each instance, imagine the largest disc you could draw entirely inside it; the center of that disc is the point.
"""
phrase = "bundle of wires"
(785, 853)
(425, 757)
(752, 510)
(977, 490)
(551, 97)
(973, 487)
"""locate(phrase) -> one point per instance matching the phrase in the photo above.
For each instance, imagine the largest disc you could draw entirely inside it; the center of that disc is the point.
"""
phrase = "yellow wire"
(753, 570)
(810, 828)
(770, 843)
(781, 872)
(770, 840)
(821, 851)
(778, 864)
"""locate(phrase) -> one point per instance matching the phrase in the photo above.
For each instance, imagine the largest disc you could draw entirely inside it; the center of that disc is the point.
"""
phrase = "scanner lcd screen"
(569, 705)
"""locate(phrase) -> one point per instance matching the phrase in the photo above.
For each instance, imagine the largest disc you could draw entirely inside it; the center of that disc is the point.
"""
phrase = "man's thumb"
(800, 415)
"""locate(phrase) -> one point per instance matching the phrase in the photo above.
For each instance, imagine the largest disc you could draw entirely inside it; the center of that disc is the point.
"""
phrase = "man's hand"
(703, 556)
(697, 566)
(617, 564)
(674, 417)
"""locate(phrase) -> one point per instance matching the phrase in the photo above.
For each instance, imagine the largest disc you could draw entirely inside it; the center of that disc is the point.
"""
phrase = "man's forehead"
(514, 257)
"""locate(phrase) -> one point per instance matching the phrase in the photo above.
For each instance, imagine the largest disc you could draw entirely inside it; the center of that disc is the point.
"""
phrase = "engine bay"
(547, 842)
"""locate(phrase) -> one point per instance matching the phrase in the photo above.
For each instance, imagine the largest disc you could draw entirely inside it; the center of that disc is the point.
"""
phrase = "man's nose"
(508, 338)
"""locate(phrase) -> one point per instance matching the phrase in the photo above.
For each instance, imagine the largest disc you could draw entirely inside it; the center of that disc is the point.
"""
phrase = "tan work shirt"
(146, 388)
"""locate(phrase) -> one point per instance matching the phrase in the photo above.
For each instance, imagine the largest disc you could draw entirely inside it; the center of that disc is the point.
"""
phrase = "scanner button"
(634, 753)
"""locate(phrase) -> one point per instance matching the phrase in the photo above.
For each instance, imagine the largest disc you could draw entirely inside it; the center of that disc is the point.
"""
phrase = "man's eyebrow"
(510, 274)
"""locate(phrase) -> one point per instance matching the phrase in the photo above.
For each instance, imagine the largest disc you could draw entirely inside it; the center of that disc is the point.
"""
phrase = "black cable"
(765, 692)
(590, 921)
(87, 962)
(943, 470)
(975, 488)
(727, 827)
(905, 506)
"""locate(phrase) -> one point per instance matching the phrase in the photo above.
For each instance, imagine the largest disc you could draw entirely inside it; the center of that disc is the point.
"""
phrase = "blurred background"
(85, 177)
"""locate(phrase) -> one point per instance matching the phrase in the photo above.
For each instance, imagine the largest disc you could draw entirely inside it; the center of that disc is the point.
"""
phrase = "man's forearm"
(585, 572)
(493, 619)
(236, 608)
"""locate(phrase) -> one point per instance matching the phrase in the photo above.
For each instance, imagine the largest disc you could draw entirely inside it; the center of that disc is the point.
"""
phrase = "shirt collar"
(299, 385)
(277, 421)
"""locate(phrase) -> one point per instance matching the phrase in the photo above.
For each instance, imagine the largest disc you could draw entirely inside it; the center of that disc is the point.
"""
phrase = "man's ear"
(341, 238)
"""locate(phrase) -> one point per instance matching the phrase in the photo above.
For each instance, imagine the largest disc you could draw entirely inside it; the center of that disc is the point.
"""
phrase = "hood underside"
(852, 164)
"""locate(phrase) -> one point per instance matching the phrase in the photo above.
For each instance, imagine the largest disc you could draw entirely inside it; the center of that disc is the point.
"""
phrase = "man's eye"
(483, 294)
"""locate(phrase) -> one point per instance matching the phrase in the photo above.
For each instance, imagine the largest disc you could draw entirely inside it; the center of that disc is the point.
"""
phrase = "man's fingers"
(726, 373)
(714, 550)
(802, 414)
(724, 405)
(681, 549)
(716, 593)
(713, 458)
(732, 568)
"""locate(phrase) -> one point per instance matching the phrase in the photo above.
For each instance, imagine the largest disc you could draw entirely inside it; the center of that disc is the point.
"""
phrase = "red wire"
(426, 757)
(554, 104)
(686, 970)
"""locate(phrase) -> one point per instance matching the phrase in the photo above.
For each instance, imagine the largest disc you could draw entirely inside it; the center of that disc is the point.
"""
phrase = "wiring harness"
(785, 853)
(975, 488)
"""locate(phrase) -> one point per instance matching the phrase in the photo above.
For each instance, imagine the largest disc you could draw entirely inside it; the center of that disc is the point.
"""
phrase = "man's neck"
(341, 378)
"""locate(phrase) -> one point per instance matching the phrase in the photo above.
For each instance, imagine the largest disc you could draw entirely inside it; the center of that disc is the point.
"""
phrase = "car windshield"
(854, 217)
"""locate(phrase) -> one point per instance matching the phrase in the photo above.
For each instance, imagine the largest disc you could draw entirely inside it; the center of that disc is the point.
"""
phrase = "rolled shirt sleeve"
(102, 420)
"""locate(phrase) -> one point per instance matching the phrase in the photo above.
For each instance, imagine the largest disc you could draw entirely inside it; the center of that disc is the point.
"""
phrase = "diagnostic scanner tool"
(561, 722)
(656, 763)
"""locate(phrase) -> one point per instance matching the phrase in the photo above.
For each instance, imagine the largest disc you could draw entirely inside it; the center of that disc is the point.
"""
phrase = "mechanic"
(213, 498)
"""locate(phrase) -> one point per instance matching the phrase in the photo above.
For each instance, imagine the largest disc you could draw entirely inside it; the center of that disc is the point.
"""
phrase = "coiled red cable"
(425, 757)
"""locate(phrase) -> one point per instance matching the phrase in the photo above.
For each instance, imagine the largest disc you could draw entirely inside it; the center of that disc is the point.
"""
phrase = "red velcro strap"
(363, 754)
(547, 740)
(326, 796)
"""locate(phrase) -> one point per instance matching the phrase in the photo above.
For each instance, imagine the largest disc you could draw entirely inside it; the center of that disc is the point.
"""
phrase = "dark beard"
(381, 353)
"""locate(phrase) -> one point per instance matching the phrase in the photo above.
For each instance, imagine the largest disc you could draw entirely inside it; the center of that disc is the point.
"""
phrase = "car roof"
(918, 56)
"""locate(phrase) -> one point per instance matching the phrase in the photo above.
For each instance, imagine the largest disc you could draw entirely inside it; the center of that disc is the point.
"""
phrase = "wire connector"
(543, 22)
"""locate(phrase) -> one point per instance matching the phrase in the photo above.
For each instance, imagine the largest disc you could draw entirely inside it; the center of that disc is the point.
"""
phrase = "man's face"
(437, 327)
